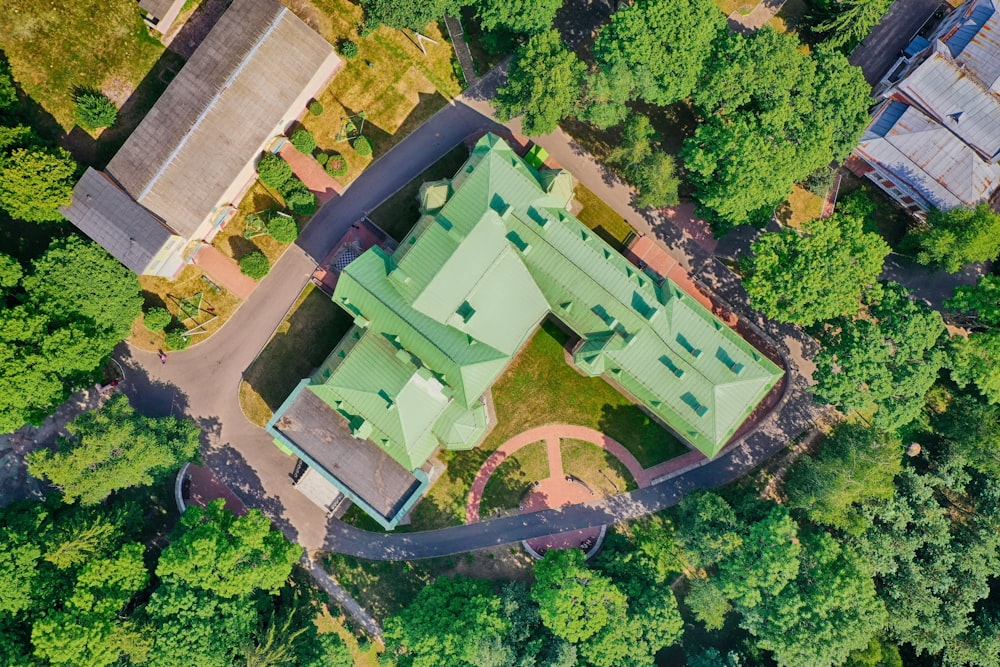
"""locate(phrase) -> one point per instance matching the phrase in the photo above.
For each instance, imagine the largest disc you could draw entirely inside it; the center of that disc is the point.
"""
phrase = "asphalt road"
(203, 382)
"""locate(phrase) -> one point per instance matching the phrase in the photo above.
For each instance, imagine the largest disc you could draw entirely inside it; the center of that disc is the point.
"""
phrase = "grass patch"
(596, 467)
(230, 241)
(390, 79)
(729, 6)
(163, 292)
(513, 478)
(538, 388)
(58, 46)
(801, 207)
(313, 327)
(603, 219)
(384, 587)
(397, 214)
(361, 656)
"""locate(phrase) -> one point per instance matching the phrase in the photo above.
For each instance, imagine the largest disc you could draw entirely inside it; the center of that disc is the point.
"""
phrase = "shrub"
(94, 110)
(273, 171)
(315, 108)
(283, 228)
(303, 140)
(298, 198)
(322, 158)
(336, 165)
(348, 49)
(362, 146)
(157, 319)
(176, 340)
(255, 265)
(367, 27)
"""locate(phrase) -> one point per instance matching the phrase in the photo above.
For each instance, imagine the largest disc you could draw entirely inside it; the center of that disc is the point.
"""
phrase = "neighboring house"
(161, 14)
(934, 140)
(437, 321)
(181, 173)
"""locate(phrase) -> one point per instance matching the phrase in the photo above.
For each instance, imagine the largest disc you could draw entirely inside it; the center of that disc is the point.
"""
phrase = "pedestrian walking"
(163, 356)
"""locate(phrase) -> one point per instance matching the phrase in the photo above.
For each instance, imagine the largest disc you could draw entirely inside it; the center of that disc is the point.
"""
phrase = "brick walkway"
(311, 173)
(551, 434)
(224, 271)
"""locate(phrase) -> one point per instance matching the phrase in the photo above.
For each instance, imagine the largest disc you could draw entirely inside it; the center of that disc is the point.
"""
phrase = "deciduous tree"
(114, 448)
(542, 84)
(959, 236)
(35, 182)
(413, 15)
(811, 277)
(707, 528)
(520, 16)
(227, 555)
(575, 602)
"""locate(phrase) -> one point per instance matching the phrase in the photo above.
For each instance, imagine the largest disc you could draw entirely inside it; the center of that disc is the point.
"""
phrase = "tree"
(888, 360)
(814, 276)
(273, 171)
(959, 236)
(981, 301)
(970, 428)
(8, 91)
(648, 169)
(768, 560)
(519, 16)
(974, 361)
(255, 265)
(414, 15)
(707, 528)
(854, 465)
(773, 115)
(10, 273)
(94, 110)
(114, 448)
(35, 182)
(227, 555)
(448, 624)
(282, 228)
(656, 49)
(829, 609)
(542, 84)
(575, 603)
(853, 21)
(708, 604)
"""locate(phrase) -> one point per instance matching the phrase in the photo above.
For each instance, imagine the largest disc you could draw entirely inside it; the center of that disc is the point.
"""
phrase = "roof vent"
(955, 117)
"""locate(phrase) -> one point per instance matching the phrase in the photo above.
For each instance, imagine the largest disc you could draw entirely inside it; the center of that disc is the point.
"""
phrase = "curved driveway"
(203, 382)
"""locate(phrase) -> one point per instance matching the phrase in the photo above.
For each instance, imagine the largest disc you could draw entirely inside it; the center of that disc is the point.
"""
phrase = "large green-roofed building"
(436, 322)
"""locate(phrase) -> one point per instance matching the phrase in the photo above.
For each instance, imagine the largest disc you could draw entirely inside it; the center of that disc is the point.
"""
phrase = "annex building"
(437, 321)
(934, 139)
(180, 175)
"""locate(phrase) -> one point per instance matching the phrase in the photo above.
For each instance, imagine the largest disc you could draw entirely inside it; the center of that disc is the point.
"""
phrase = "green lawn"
(512, 479)
(397, 214)
(538, 388)
(603, 219)
(596, 467)
(312, 329)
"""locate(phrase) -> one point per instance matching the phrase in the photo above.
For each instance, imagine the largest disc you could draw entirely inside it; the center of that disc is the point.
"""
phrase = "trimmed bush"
(273, 171)
(157, 319)
(362, 146)
(303, 140)
(176, 340)
(255, 265)
(336, 165)
(322, 158)
(298, 198)
(283, 229)
(315, 108)
(348, 49)
(94, 110)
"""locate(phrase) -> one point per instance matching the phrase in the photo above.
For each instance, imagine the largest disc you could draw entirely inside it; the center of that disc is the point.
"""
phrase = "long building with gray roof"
(192, 157)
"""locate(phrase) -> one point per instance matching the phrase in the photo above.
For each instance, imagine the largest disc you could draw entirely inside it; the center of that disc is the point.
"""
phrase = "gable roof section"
(973, 39)
(934, 162)
(217, 112)
(958, 101)
(105, 213)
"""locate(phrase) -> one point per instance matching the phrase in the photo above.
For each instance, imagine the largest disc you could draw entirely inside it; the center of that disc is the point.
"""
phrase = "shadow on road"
(233, 470)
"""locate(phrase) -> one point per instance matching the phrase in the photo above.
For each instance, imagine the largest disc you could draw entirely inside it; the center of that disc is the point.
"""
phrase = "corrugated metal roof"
(218, 111)
(105, 213)
(471, 283)
(971, 35)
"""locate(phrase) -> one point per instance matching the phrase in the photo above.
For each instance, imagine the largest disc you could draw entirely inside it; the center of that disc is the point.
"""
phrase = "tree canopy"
(654, 51)
(644, 165)
(519, 16)
(114, 448)
(814, 276)
(852, 22)
(959, 236)
(888, 360)
(773, 115)
(35, 182)
(542, 84)
(227, 555)
(413, 15)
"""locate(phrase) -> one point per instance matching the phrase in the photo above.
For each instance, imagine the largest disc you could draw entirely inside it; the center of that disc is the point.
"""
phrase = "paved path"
(224, 271)
(203, 381)
(310, 172)
(338, 593)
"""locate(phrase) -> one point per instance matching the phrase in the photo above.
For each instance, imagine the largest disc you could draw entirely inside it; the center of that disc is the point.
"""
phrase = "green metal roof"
(493, 253)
